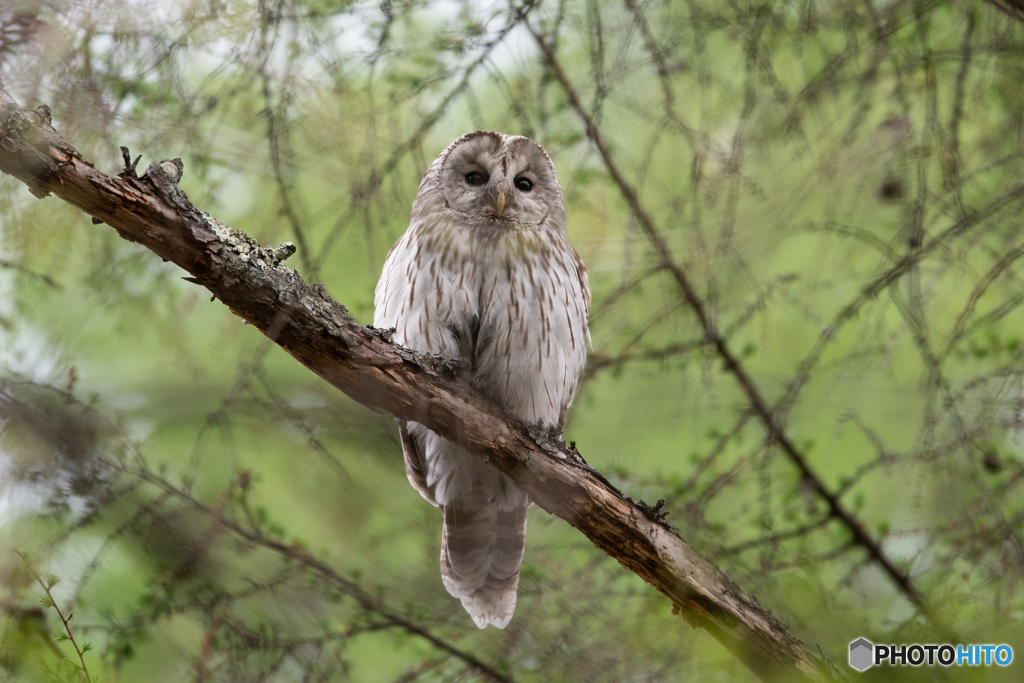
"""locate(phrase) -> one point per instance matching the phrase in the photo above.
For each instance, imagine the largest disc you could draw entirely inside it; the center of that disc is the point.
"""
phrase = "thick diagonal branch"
(364, 364)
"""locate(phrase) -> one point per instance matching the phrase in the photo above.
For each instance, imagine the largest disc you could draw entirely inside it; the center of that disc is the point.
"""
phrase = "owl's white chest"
(511, 302)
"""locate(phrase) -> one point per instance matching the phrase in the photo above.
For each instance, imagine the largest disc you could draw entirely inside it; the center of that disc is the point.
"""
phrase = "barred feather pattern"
(485, 273)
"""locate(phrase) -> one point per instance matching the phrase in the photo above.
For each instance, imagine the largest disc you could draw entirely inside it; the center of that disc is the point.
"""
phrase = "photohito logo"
(865, 654)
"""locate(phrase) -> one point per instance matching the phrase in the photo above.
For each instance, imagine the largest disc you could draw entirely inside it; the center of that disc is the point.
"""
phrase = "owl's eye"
(523, 184)
(476, 178)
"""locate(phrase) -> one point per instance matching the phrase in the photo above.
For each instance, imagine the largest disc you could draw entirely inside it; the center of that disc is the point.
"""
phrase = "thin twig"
(49, 601)
(42, 277)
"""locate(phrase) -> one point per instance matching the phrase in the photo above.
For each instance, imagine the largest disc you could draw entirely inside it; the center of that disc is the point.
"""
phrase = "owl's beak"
(500, 205)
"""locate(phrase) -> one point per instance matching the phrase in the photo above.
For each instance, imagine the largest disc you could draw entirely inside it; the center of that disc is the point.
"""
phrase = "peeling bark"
(364, 363)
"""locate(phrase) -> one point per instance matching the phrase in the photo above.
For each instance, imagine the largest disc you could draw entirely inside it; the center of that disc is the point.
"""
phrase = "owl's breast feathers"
(513, 303)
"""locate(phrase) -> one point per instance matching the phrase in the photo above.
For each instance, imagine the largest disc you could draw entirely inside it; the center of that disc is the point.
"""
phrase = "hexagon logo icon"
(862, 654)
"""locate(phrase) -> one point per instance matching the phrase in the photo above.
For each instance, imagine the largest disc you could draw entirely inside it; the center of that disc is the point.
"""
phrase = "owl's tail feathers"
(481, 550)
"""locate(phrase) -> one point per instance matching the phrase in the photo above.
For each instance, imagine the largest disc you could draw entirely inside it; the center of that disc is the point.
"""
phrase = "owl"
(485, 274)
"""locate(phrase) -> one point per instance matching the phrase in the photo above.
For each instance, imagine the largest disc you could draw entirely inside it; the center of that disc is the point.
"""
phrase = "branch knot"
(164, 176)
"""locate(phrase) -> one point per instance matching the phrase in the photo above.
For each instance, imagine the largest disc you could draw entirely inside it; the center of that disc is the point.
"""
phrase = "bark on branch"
(363, 363)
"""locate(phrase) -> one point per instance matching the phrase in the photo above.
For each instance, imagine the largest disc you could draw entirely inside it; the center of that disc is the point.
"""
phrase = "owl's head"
(509, 180)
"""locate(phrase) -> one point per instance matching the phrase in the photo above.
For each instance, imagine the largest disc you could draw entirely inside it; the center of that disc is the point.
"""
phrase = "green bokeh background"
(803, 148)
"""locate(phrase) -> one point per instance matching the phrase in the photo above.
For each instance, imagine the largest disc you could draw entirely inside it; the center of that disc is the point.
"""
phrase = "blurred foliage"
(841, 179)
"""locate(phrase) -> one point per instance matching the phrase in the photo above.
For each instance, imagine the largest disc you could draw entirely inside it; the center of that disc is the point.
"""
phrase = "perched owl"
(485, 273)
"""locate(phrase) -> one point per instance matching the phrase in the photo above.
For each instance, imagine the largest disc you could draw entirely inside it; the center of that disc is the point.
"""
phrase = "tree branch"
(363, 363)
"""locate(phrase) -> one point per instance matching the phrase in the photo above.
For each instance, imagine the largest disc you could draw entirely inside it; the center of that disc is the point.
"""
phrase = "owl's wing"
(431, 312)
(415, 463)
(578, 358)
(581, 274)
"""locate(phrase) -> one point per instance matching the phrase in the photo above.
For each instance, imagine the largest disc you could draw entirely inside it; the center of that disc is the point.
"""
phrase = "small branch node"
(654, 512)
(45, 114)
(284, 251)
(164, 175)
(129, 165)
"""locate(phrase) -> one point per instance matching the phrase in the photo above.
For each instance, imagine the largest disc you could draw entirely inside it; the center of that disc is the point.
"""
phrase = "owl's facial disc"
(496, 179)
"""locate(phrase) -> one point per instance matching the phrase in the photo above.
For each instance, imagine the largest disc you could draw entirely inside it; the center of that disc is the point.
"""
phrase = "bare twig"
(42, 277)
